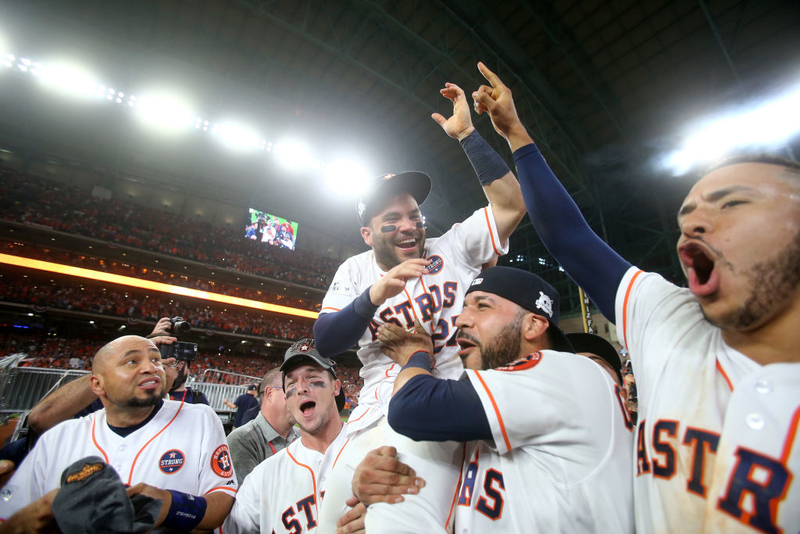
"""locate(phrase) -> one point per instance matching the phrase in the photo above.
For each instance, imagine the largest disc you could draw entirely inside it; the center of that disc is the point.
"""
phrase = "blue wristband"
(488, 164)
(185, 512)
(420, 359)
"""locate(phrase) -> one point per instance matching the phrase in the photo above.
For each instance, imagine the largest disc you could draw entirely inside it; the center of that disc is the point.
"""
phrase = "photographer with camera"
(179, 356)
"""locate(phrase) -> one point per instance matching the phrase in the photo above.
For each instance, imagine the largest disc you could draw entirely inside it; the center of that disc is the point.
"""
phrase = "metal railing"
(215, 376)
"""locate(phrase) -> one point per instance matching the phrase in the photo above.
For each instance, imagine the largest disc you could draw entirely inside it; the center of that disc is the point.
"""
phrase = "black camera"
(180, 350)
(179, 325)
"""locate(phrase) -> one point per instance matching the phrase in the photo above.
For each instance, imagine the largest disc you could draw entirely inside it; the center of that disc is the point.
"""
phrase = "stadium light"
(767, 125)
(162, 111)
(346, 177)
(293, 154)
(68, 78)
(236, 136)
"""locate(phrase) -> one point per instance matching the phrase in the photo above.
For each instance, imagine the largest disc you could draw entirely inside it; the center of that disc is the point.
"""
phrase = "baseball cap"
(92, 499)
(583, 342)
(528, 291)
(415, 183)
(305, 352)
(252, 387)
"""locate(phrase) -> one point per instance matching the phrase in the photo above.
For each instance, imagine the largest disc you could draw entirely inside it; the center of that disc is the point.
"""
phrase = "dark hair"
(769, 159)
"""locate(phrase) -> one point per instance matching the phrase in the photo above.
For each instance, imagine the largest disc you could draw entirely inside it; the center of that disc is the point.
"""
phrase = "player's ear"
(366, 233)
(337, 387)
(533, 326)
(96, 384)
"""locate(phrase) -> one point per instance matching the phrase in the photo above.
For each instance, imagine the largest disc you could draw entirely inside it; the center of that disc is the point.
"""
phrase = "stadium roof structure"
(606, 88)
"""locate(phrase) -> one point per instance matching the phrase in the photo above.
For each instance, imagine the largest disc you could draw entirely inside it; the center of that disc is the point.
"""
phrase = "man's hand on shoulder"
(394, 281)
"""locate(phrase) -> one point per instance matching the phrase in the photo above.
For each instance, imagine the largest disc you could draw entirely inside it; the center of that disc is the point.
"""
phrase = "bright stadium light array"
(163, 111)
(767, 125)
(169, 113)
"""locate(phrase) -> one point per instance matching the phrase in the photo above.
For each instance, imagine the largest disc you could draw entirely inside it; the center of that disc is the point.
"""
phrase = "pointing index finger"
(490, 76)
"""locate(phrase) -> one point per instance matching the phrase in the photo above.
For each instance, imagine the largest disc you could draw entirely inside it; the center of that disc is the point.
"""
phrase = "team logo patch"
(341, 288)
(171, 461)
(221, 462)
(545, 303)
(436, 265)
(477, 282)
(531, 360)
(86, 471)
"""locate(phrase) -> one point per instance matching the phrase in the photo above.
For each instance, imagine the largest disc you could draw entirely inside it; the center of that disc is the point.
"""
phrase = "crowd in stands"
(126, 269)
(29, 199)
(41, 293)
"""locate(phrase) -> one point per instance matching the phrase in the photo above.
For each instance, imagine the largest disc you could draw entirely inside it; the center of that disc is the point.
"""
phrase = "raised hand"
(394, 281)
(497, 101)
(459, 125)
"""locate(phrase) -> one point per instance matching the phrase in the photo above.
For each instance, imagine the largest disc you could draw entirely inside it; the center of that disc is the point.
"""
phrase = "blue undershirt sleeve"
(338, 332)
(431, 409)
(586, 258)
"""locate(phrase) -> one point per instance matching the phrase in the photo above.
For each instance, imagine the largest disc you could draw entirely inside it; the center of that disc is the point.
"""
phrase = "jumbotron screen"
(270, 229)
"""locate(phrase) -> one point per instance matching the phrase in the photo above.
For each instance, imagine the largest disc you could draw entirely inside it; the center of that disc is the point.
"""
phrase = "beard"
(386, 254)
(772, 283)
(503, 348)
(150, 399)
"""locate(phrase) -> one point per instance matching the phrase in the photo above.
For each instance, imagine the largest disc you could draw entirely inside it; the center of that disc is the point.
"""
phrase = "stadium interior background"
(135, 136)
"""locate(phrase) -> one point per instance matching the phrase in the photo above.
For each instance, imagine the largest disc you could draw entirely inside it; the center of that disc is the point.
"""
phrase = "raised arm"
(497, 180)
(586, 258)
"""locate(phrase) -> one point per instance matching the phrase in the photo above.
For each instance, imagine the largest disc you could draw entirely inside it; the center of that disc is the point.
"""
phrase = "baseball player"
(164, 449)
(283, 492)
(548, 440)
(715, 363)
(406, 278)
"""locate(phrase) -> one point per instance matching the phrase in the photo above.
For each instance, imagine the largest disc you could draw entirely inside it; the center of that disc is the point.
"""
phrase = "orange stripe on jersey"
(625, 309)
(95, 440)
(329, 308)
(496, 410)
(363, 414)
(491, 233)
(458, 488)
(789, 442)
(133, 466)
(724, 375)
(389, 369)
(313, 479)
(340, 452)
(220, 488)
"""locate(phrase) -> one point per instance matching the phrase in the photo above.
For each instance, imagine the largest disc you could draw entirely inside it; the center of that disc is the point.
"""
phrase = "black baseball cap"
(528, 291)
(92, 499)
(584, 342)
(415, 183)
(305, 352)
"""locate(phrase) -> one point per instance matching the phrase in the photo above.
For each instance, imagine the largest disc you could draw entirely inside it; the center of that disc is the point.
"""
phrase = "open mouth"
(406, 244)
(150, 383)
(307, 408)
(465, 344)
(700, 269)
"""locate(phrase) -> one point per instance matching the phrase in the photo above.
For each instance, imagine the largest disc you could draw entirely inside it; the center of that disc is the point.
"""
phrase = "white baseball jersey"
(283, 493)
(715, 443)
(560, 461)
(435, 299)
(182, 448)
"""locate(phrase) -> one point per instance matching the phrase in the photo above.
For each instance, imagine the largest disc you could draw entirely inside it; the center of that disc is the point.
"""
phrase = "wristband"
(185, 512)
(488, 164)
(420, 360)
